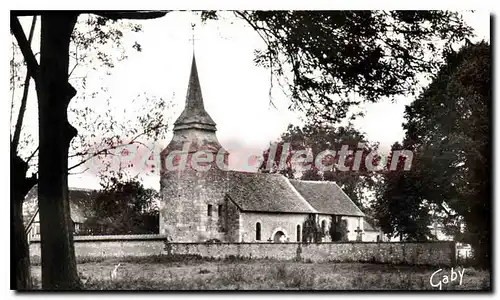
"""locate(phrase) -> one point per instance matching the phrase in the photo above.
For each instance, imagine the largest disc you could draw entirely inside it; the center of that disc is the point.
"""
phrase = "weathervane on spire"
(192, 32)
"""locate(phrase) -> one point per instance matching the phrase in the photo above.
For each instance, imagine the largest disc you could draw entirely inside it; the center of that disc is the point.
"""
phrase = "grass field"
(159, 273)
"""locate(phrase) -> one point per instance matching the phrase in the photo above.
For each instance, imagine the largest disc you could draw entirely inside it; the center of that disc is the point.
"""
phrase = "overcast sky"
(235, 91)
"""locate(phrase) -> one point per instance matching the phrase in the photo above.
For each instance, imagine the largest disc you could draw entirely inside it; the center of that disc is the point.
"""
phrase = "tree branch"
(32, 154)
(115, 15)
(137, 15)
(24, 100)
(132, 141)
(13, 80)
(25, 47)
(30, 59)
(92, 156)
(76, 61)
(76, 173)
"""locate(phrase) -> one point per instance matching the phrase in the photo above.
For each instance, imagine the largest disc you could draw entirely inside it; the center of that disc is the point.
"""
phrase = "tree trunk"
(59, 270)
(20, 266)
(20, 260)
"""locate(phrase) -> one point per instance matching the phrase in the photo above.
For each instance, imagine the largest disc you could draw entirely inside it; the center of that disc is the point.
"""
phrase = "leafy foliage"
(338, 229)
(125, 208)
(448, 128)
(315, 138)
(311, 231)
(324, 57)
(92, 30)
(401, 208)
(449, 125)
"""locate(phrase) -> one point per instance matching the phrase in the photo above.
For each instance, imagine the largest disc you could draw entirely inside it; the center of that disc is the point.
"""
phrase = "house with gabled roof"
(80, 203)
(203, 201)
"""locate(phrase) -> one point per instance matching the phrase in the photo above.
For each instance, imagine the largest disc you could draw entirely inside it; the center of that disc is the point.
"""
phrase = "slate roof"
(194, 114)
(327, 197)
(264, 192)
(80, 204)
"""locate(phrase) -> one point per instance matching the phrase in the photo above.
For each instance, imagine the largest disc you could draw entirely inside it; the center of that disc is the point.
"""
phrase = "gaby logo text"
(440, 278)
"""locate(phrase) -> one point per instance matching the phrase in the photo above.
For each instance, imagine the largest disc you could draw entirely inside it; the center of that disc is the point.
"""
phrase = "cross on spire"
(192, 32)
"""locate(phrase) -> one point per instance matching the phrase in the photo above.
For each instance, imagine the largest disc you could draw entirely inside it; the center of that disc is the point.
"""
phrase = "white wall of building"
(287, 223)
(270, 223)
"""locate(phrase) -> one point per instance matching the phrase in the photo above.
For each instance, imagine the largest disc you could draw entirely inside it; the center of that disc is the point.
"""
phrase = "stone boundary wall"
(424, 253)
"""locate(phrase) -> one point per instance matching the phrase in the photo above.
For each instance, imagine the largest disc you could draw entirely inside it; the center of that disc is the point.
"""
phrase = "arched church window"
(220, 211)
(298, 233)
(257, 231)
(209, 210)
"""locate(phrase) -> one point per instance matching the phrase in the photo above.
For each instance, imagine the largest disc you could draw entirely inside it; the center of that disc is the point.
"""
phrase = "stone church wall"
(270, 223)
(431, 253)
(184, 212)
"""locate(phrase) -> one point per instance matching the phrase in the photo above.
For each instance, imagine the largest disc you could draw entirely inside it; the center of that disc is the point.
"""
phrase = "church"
(205, 201)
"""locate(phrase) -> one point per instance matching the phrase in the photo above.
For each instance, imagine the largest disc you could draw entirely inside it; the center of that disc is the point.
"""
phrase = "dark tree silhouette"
(449, 125)
(19, 187)
(400, 208)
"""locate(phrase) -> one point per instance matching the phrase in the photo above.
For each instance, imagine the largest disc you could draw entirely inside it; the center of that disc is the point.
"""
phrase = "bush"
(338, 229)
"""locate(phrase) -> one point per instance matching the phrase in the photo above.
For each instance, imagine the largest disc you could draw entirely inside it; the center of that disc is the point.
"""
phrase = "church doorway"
(279, 237)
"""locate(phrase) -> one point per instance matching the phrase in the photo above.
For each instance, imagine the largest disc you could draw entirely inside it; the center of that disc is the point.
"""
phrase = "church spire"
(194, 115)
